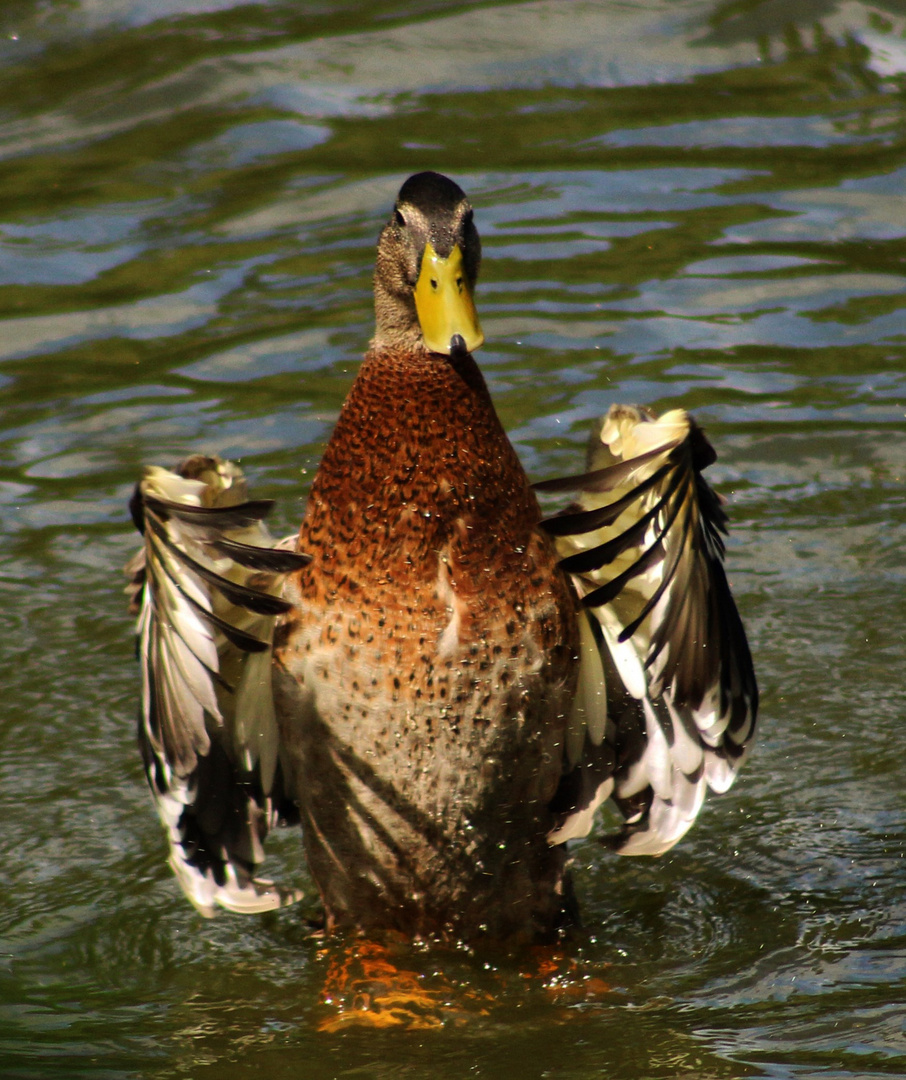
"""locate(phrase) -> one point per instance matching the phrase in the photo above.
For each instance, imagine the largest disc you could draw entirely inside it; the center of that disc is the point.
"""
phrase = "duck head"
(427, 264)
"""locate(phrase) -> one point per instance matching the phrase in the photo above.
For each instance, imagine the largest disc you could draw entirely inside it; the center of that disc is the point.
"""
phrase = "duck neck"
(418, 450)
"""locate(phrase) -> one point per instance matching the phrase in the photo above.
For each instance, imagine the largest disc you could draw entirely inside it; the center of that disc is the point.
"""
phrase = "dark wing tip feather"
(136, 508)
(260, 602)
(239, 516)
(583, 521)
(600, 480)
(703, 453)
(272, 560)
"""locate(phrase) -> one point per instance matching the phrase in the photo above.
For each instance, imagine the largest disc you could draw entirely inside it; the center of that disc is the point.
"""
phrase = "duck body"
(425, 673)
(438, 684)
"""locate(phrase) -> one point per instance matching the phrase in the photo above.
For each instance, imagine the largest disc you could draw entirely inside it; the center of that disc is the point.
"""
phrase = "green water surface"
(682, 202)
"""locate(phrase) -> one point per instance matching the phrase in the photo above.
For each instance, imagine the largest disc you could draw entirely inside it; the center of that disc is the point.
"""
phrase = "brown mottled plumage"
(439, 693)
(426, 670)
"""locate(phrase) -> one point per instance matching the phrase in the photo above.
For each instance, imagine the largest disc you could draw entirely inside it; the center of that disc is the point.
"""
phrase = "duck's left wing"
(206, 587)
(667, 697)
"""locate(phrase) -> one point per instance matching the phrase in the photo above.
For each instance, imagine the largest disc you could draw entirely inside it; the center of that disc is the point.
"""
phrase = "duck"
(440, 684)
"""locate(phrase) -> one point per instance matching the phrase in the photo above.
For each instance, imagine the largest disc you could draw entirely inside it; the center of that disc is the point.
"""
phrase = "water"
(686, 203)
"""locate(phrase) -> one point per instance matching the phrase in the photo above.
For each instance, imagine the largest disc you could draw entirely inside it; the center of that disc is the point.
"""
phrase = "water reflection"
(686, 203)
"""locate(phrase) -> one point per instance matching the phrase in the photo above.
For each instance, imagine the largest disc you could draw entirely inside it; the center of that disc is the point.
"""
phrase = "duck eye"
(467, 220)
(399, 219)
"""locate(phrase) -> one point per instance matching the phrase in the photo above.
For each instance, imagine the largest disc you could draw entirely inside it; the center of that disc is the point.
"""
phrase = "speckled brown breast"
(426, 672)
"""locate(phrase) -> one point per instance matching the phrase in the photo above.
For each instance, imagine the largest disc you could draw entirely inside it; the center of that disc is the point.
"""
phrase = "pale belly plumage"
(426, 740)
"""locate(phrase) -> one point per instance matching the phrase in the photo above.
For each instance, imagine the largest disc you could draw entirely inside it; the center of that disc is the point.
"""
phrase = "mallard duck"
(438, 684)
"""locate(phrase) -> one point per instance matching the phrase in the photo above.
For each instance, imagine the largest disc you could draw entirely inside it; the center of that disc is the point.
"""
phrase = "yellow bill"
(444, 303)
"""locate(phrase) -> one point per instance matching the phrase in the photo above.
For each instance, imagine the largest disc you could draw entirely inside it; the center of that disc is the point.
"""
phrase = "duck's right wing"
(206, 587)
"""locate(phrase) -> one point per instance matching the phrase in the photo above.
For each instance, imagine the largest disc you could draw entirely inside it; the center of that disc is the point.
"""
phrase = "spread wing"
(667, 695)
(206, 587)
